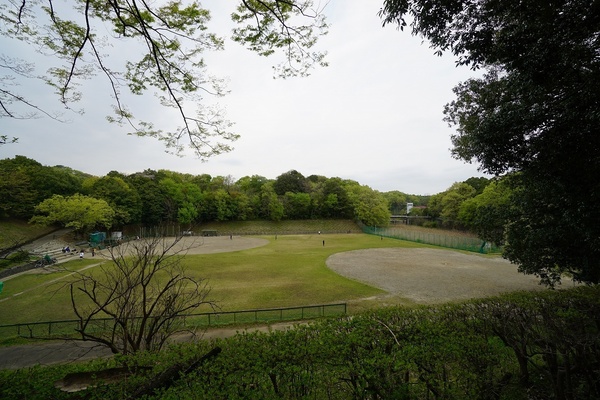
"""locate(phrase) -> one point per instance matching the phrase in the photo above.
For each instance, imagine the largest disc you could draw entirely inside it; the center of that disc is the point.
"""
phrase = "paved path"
(61, 352)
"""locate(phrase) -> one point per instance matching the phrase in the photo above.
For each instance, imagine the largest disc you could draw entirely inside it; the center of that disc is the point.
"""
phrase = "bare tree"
(137, 301)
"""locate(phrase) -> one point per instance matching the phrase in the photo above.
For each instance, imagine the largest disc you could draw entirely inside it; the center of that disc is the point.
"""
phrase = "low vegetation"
(543, 345)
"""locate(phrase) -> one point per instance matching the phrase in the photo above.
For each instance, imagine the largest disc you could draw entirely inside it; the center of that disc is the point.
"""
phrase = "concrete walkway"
(62, 352)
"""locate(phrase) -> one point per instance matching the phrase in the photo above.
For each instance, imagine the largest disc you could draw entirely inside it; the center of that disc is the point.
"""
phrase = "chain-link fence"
(442, 239)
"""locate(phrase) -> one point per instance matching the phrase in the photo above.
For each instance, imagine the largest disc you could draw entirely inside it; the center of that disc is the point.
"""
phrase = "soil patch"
(428, 276)
(220, 244)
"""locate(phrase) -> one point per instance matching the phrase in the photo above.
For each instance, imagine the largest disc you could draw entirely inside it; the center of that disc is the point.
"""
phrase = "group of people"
(66, 249)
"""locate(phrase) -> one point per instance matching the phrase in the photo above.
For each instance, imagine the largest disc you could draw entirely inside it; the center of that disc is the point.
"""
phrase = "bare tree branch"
(144, 292)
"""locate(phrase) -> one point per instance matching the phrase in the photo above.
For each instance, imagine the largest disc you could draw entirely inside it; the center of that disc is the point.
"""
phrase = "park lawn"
(289, 271)
(39, 296)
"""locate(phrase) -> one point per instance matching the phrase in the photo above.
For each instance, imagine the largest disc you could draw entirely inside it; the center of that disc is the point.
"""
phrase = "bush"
(476, 350)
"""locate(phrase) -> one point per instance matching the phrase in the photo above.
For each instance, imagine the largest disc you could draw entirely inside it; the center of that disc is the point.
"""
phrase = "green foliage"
(25, 182)
(153, 197)
(153, 200)
(370, 206)
(533, 112)
(447, 205)
(291, 181)
(463, 351)
(264, 27)
(488, 213)
(124, 200)
(79, 212)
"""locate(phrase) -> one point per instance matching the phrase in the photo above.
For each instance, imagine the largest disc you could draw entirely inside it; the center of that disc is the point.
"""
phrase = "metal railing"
(48, 329)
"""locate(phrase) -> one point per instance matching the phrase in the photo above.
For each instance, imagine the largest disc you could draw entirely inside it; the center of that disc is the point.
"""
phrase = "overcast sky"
(373, 116)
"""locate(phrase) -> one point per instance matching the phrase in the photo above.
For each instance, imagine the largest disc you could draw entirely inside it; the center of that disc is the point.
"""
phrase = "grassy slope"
(13, 232)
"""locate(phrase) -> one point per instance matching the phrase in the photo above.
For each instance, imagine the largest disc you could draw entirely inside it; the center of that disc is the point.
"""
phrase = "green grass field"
(289, 271)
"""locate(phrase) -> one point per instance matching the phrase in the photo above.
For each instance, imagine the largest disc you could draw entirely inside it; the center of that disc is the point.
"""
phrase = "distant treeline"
(154, 197)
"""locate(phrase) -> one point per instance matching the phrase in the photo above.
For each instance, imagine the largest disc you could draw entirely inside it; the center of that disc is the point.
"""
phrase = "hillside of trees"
(61, 195)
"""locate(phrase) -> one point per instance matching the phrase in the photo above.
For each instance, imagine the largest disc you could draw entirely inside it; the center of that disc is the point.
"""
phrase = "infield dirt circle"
(427, 276)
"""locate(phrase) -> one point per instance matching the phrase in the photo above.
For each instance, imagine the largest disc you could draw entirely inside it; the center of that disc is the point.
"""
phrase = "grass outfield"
(289, 271)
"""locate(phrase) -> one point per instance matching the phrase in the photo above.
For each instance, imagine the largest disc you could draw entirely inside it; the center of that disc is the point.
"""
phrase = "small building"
(97, 238)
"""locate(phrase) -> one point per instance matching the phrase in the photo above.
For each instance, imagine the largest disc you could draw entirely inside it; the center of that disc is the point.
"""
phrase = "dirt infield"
(428, 276)
(220, 244)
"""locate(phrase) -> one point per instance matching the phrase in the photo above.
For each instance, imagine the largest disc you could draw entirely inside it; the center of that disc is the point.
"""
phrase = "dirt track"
(428, 276)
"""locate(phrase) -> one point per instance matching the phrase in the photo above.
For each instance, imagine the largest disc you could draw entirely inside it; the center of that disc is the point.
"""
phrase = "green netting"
(441, 239)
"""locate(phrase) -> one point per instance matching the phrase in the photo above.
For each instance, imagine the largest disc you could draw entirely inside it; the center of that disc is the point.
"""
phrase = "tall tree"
(123, 199)
(535, 111)
(370, 206)
(271, 207)
(291, 181)
(26, 182)
(151, 197)
(488, 213)
(170, 38)
(79, 212)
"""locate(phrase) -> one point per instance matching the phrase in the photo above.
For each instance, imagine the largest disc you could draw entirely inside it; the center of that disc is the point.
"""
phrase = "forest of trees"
(61, 195)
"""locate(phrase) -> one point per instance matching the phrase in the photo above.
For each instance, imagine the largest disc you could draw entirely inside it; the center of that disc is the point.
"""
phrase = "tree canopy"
(79, 212)
(534, 111)
(165, 43)
(152, 198)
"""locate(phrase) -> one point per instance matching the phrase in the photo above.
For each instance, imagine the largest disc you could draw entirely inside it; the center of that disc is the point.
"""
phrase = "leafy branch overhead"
(164, 45)
(268, 29)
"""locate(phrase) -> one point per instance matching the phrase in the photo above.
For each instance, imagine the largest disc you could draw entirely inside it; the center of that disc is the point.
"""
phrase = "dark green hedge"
(543, 345)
